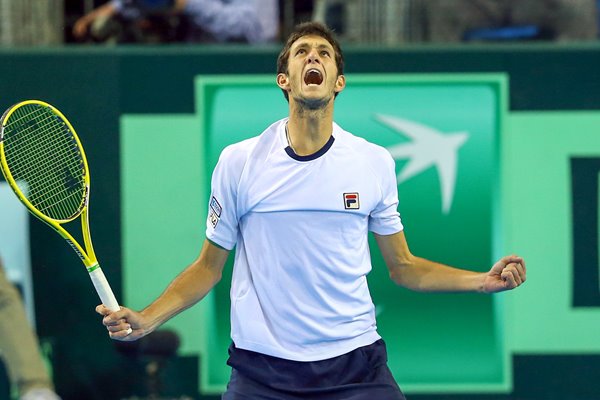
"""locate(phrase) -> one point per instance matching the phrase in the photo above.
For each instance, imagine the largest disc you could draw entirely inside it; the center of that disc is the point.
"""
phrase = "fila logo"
(351, 201)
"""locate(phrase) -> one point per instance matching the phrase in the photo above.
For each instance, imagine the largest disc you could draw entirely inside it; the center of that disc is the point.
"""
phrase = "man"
(297, 202)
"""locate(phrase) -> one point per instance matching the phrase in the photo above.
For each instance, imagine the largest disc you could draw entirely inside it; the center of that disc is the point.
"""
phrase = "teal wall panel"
(537, 198)
(235, 108)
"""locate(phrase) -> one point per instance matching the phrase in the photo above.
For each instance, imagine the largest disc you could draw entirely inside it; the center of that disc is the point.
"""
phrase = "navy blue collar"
(312, 156)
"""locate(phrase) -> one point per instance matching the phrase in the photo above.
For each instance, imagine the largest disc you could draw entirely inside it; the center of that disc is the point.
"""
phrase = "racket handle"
(103, 288)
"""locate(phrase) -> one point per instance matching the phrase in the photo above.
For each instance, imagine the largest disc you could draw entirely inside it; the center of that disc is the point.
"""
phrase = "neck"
(309, 130)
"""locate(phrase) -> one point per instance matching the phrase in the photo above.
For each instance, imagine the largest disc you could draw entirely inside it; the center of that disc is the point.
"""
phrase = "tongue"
(313, 77)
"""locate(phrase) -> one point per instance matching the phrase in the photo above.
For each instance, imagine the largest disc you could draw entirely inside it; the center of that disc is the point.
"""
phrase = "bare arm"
(81, 26)
(188, 288)
(422, 275)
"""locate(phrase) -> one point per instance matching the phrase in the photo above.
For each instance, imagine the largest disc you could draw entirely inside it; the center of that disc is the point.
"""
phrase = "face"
(312, 78)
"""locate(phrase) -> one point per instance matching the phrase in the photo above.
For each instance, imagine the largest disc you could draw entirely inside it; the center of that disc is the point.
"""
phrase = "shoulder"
(234, 158)
(238, 151)
(236, 155)
(375, 155)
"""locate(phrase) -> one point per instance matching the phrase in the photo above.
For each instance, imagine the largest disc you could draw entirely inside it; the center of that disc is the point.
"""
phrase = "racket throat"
(78, 250)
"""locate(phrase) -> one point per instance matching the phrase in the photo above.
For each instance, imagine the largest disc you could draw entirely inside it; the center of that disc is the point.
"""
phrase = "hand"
(80, 29)
(119, 322)
(506, 274)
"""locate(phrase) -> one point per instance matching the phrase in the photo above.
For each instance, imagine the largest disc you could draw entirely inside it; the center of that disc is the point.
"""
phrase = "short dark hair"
(306, 29)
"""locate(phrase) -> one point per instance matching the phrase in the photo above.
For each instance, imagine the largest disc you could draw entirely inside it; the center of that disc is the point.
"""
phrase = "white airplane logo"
(429, 147)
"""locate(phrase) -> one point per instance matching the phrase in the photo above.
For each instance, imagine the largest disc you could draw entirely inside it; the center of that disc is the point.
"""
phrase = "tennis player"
(298, 202)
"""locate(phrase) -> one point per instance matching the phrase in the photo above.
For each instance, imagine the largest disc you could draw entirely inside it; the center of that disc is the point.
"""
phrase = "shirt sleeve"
(222, 221)
(385, 218)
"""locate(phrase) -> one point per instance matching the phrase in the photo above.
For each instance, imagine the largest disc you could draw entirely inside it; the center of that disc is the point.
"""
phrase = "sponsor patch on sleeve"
(214, 204)
(213, 218)
(214, 212)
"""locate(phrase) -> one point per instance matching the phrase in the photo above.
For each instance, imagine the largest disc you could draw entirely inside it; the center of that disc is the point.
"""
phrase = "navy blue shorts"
(362, 374)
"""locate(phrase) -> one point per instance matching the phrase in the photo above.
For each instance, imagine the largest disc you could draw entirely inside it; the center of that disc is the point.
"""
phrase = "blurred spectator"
(200, 21)
(464, 20)
(19, 348)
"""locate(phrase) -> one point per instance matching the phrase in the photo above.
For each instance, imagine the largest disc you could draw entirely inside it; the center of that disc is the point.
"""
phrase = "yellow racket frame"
(88, 256)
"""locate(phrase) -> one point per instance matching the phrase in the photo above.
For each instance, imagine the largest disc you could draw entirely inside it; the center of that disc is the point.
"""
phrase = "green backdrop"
(236, 108)
(549, 86)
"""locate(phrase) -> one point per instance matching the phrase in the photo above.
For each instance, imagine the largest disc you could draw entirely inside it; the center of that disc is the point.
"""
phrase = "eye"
(324, 53)
(300, 52)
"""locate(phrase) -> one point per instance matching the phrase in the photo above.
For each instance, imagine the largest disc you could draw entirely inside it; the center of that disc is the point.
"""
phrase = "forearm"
(423, 275)
(191, 286)
(188, 288)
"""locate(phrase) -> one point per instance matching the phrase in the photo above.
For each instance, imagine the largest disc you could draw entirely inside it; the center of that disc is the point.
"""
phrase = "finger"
(110, 322)
(102, 310)
(123, 326)
(513, 258)
(524, 266)
(513, 269)
(502, 263)
(115, 316)
(521, 270)
(122, 335)
(516, 275)
(509, 280)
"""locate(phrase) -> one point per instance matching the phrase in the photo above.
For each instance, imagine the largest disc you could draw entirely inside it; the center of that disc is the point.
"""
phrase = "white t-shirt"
(300, 226)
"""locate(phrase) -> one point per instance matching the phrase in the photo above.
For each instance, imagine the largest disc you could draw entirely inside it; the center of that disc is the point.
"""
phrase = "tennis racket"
(43, 161)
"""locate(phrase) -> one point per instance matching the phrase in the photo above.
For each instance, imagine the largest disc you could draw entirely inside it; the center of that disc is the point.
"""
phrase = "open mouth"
(313, 77)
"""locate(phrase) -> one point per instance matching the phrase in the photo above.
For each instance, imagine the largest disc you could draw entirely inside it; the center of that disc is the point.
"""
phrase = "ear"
(340, 83)
(283, 81)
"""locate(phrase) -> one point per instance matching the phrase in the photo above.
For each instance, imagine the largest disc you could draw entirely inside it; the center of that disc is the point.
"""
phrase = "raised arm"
(422, 275)
(188, 288)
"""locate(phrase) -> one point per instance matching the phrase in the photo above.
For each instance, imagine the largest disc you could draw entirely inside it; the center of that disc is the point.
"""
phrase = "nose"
(313, 57)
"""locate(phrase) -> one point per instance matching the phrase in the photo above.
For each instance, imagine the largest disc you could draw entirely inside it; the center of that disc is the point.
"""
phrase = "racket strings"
(41, 151)
(25, 165)
(56, 184)
(50, 201)
(28, 165)
(26, 168)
